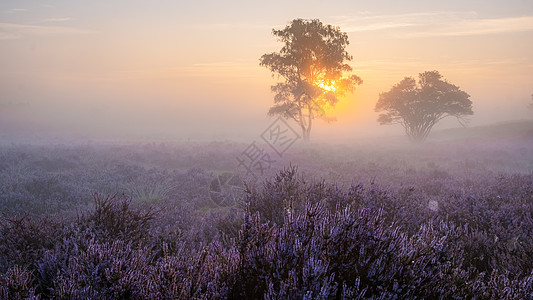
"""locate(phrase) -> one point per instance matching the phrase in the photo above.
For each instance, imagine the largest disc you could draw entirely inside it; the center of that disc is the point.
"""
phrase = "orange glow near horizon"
(175, 64)
(327, 86)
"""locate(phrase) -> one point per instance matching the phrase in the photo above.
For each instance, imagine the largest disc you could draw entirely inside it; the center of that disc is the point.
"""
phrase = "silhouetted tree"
(313, 63)
(419, 106)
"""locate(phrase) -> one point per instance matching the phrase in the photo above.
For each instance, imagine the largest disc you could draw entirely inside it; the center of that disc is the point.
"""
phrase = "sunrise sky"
(190, 69)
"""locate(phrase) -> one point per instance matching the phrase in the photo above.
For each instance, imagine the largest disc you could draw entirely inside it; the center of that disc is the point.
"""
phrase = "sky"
(189, 70)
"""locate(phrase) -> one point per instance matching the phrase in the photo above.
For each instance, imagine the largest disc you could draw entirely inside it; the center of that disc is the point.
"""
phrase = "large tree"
(312, 63)
(418, 106)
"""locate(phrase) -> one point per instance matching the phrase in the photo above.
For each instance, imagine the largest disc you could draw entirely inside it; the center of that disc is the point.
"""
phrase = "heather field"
(373, 219)
(266, 149)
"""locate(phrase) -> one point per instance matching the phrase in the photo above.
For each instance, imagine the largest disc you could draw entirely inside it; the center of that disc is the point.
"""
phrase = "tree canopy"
(418, 106)
(312, 63)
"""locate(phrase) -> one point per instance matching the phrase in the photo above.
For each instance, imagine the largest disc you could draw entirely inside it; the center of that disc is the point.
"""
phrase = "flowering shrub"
(430, 234)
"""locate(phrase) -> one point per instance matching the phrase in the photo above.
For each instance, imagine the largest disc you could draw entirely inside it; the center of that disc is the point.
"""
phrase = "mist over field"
(273, 150)
(180, 72)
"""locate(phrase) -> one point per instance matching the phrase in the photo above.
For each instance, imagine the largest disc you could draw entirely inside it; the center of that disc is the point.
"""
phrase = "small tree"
(313, 63)
(419, 106)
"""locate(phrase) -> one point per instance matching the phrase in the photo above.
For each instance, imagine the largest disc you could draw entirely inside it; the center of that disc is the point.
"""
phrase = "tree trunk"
(307, 130)
(306, 134)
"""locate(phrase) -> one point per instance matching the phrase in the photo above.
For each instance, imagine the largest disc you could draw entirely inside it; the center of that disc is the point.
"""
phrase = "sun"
(327, 86)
